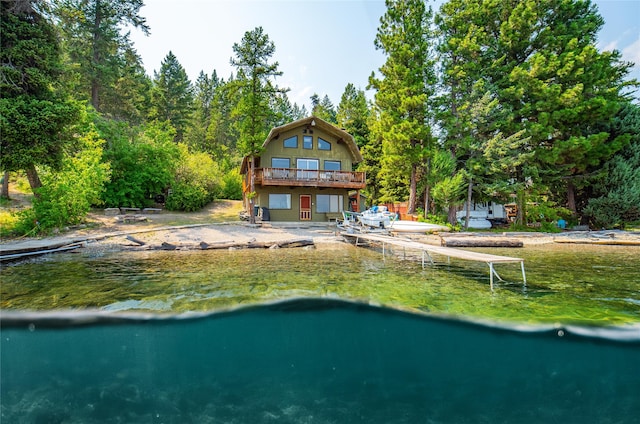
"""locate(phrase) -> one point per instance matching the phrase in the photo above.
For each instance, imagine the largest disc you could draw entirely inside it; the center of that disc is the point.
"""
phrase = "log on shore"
(42, 251)
(604, 242)
(481, 242)
(285, 244)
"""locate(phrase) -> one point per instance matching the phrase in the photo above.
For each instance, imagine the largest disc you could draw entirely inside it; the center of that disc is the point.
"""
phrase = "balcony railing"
(309, 178)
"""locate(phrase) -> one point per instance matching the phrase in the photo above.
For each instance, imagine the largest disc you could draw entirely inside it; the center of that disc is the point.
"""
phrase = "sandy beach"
(219, 224)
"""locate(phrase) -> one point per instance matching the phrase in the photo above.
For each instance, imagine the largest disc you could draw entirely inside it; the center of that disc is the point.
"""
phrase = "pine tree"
(94, 43)
(403, 95)
(323, 108)
(33, 114)
(257, 92)
(172, 95)
(203, 93)
(353, 114)
(538, 60)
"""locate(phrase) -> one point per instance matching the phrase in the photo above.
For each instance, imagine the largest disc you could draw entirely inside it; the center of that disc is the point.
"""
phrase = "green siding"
(338, 152)
(293, 214)
(275, 149)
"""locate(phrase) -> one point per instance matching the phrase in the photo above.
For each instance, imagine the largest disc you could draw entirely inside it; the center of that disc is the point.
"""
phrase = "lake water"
(131, 338)
(593, 285)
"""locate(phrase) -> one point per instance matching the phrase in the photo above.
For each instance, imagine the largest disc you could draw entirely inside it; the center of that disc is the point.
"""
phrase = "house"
(304, 172)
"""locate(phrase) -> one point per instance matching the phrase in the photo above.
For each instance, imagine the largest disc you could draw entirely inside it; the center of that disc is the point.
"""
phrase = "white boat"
(403, 226)
(377, 217)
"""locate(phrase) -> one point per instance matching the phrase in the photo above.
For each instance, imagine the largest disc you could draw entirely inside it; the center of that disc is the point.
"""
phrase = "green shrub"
(67, 195)
(143, 163)
(187, 197)
(197, 181)
(231, 185)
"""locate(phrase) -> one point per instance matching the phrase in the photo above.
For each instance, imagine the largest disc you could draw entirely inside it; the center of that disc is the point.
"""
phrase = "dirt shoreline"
(206, 226)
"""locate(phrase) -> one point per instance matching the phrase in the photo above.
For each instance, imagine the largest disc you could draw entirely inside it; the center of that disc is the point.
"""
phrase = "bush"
(196, 183)
(67, 195)
(143, 164)
(231, 185)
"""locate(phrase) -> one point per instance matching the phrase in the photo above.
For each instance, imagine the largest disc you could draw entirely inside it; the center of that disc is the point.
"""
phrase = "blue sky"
(321, 45)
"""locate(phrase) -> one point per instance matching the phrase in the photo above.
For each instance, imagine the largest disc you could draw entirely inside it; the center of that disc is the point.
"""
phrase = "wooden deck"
(428, 249)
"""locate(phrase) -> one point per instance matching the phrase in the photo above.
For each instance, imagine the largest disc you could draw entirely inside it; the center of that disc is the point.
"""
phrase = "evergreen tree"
(616, 198)
(222, 133)
(33, 115)
(538, 60)
(323, 108)
(257, 92)
(353, 114)
(95, 45)
(203, 94)
(172, 95)
(558, 85)
(129, 99)
(403, 95)
(299, 112)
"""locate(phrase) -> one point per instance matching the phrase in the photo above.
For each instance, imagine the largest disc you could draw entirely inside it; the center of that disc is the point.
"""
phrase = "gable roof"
(312, 121)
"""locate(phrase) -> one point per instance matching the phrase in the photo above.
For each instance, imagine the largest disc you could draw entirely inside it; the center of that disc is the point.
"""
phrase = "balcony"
(309, 178)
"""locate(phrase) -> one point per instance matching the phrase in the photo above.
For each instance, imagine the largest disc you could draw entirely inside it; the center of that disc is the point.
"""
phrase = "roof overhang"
(314, 122)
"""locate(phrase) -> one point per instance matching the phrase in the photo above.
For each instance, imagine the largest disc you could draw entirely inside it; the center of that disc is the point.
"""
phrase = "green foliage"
(403, 95)
(29, 52)
(546, 212)
(323, 109)
(353, 114)
(67, 195)
(33, 131)
(172, 95)
(33, 115)
(102, 64)
(617, 191)
(450, 190)
(196, 183)
(538, 60)
(143, 163)
(231, 185)
(256, 89)
(436, 219)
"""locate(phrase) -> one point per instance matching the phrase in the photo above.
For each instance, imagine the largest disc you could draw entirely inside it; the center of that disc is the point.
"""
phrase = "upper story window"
(332, 165)
(291, 142)
(323, 144)
(280, 163)
(307, 142)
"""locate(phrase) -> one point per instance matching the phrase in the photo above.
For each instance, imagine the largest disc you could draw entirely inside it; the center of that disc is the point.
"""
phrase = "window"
(280, 163)
(310, 167)
(332, 165)
(279, 201)
(323, 144)
(307, 142)
(329, 203)
(291, 142)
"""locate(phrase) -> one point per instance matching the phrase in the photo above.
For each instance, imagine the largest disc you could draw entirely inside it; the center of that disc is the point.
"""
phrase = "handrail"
(311, 176)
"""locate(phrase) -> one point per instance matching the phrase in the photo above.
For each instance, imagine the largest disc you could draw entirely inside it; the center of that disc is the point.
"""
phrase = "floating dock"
(428, 249)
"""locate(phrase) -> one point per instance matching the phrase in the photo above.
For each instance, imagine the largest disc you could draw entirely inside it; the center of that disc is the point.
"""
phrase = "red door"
(305, 207)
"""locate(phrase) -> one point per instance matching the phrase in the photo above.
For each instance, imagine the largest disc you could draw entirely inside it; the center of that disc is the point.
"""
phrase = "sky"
(321, 45)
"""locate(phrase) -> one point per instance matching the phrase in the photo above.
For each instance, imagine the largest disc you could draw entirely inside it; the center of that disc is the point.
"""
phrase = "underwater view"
(321, 336)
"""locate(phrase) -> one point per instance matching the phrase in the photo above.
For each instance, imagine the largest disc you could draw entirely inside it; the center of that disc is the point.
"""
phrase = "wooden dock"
(428, 249)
